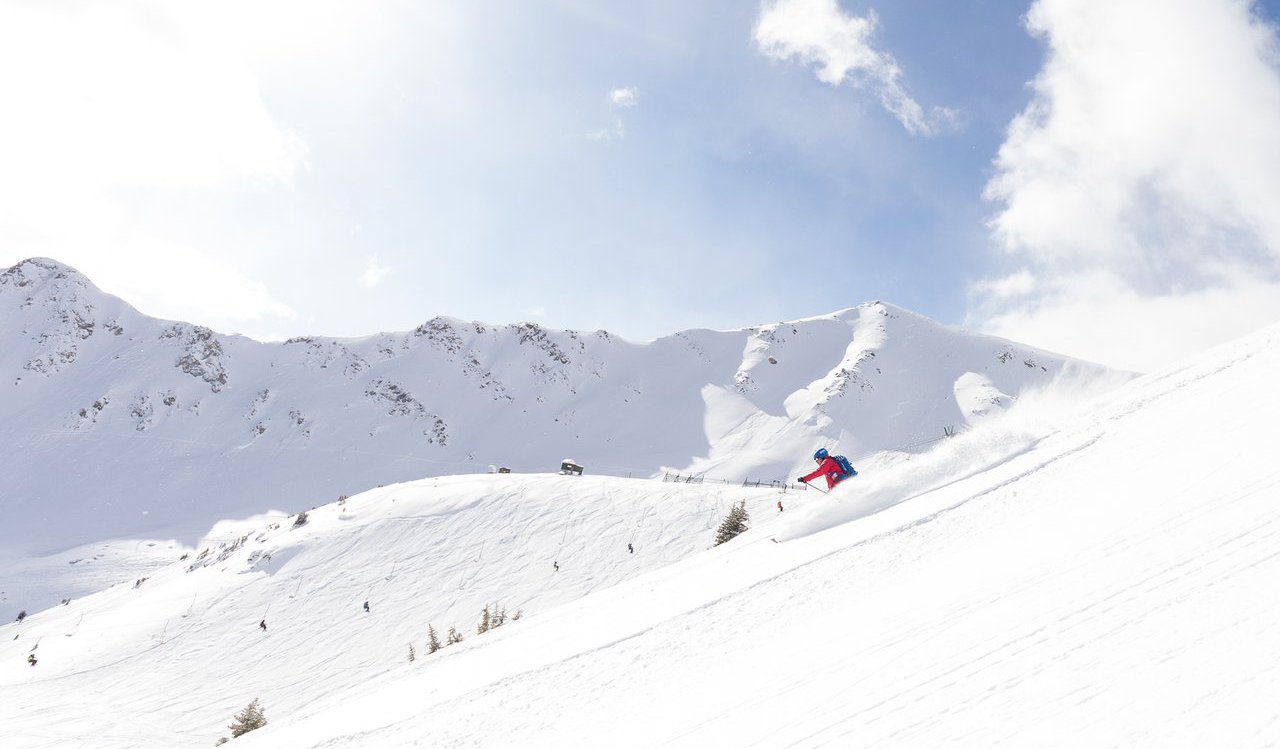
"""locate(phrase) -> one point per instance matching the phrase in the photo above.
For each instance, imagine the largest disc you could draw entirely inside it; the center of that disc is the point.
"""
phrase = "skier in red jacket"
(827, 466)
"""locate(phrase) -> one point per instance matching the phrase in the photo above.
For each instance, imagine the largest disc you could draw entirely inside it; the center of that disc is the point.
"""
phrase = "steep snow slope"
(122, 431)
(1110, 583)
(1107, 581)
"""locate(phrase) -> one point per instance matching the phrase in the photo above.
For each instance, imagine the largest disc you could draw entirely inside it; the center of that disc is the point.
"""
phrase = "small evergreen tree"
(734, 523)
(433, 642)
(22, 615)
(484, 621)
(453, 636)
(301, 520)
(499, 617)
(413, 656)
(248, 719)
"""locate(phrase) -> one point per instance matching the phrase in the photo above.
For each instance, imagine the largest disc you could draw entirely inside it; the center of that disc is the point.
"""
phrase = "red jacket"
(829, 468)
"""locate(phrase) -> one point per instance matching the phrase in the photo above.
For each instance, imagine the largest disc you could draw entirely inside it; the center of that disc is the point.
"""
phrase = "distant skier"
(630, 549)
(779, 505)
(31, 659)
(829, 467)
(263, 624)
(366, 607)
(556, 565)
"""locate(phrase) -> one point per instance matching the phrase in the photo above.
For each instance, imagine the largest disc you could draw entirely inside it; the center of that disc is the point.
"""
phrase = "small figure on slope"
(366, 607)
(263, 625)
(830, 467)
(31, 659)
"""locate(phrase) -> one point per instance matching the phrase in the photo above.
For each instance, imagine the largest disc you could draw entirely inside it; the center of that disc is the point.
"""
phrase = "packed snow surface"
(1059, 576)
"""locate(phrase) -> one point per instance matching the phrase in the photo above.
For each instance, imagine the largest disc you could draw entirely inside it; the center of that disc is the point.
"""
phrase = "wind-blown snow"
(1104, 578)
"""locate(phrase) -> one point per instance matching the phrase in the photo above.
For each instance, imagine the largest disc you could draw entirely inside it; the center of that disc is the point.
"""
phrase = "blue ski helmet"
(822, 453)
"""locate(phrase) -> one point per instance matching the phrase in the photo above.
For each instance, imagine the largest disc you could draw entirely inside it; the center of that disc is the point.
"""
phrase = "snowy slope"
(125, 432)
(1112, 583)
(429, 553)
(1105, 579)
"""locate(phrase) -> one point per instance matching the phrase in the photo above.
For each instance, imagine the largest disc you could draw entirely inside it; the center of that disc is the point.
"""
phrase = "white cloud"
(177, 282)
(133, 95)
(606, 134)
(1097, 316)
(117, 101)
(624, 97)
(619, 98)
(818, 33)
(374, 274)
(1016, 284)
(1140, 183)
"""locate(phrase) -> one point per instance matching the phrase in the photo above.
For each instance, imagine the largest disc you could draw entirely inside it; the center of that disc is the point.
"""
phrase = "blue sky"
(1098, 178)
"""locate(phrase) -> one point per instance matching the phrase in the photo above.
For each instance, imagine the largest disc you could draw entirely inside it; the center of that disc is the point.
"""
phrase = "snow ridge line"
(921, 520)
(1120, 413)
(1179, 379)
(1011, 480)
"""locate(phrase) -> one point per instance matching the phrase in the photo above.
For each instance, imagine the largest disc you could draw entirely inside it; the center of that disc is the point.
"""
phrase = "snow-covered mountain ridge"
(1100, 579)
(121, 426)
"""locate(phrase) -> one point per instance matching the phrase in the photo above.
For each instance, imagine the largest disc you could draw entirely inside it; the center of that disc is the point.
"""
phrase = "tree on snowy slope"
(248, 719)
(734, 523)
(433, 642)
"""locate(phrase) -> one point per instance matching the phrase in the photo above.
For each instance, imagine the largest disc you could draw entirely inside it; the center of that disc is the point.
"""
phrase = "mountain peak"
(42, 267)
(46, 274)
